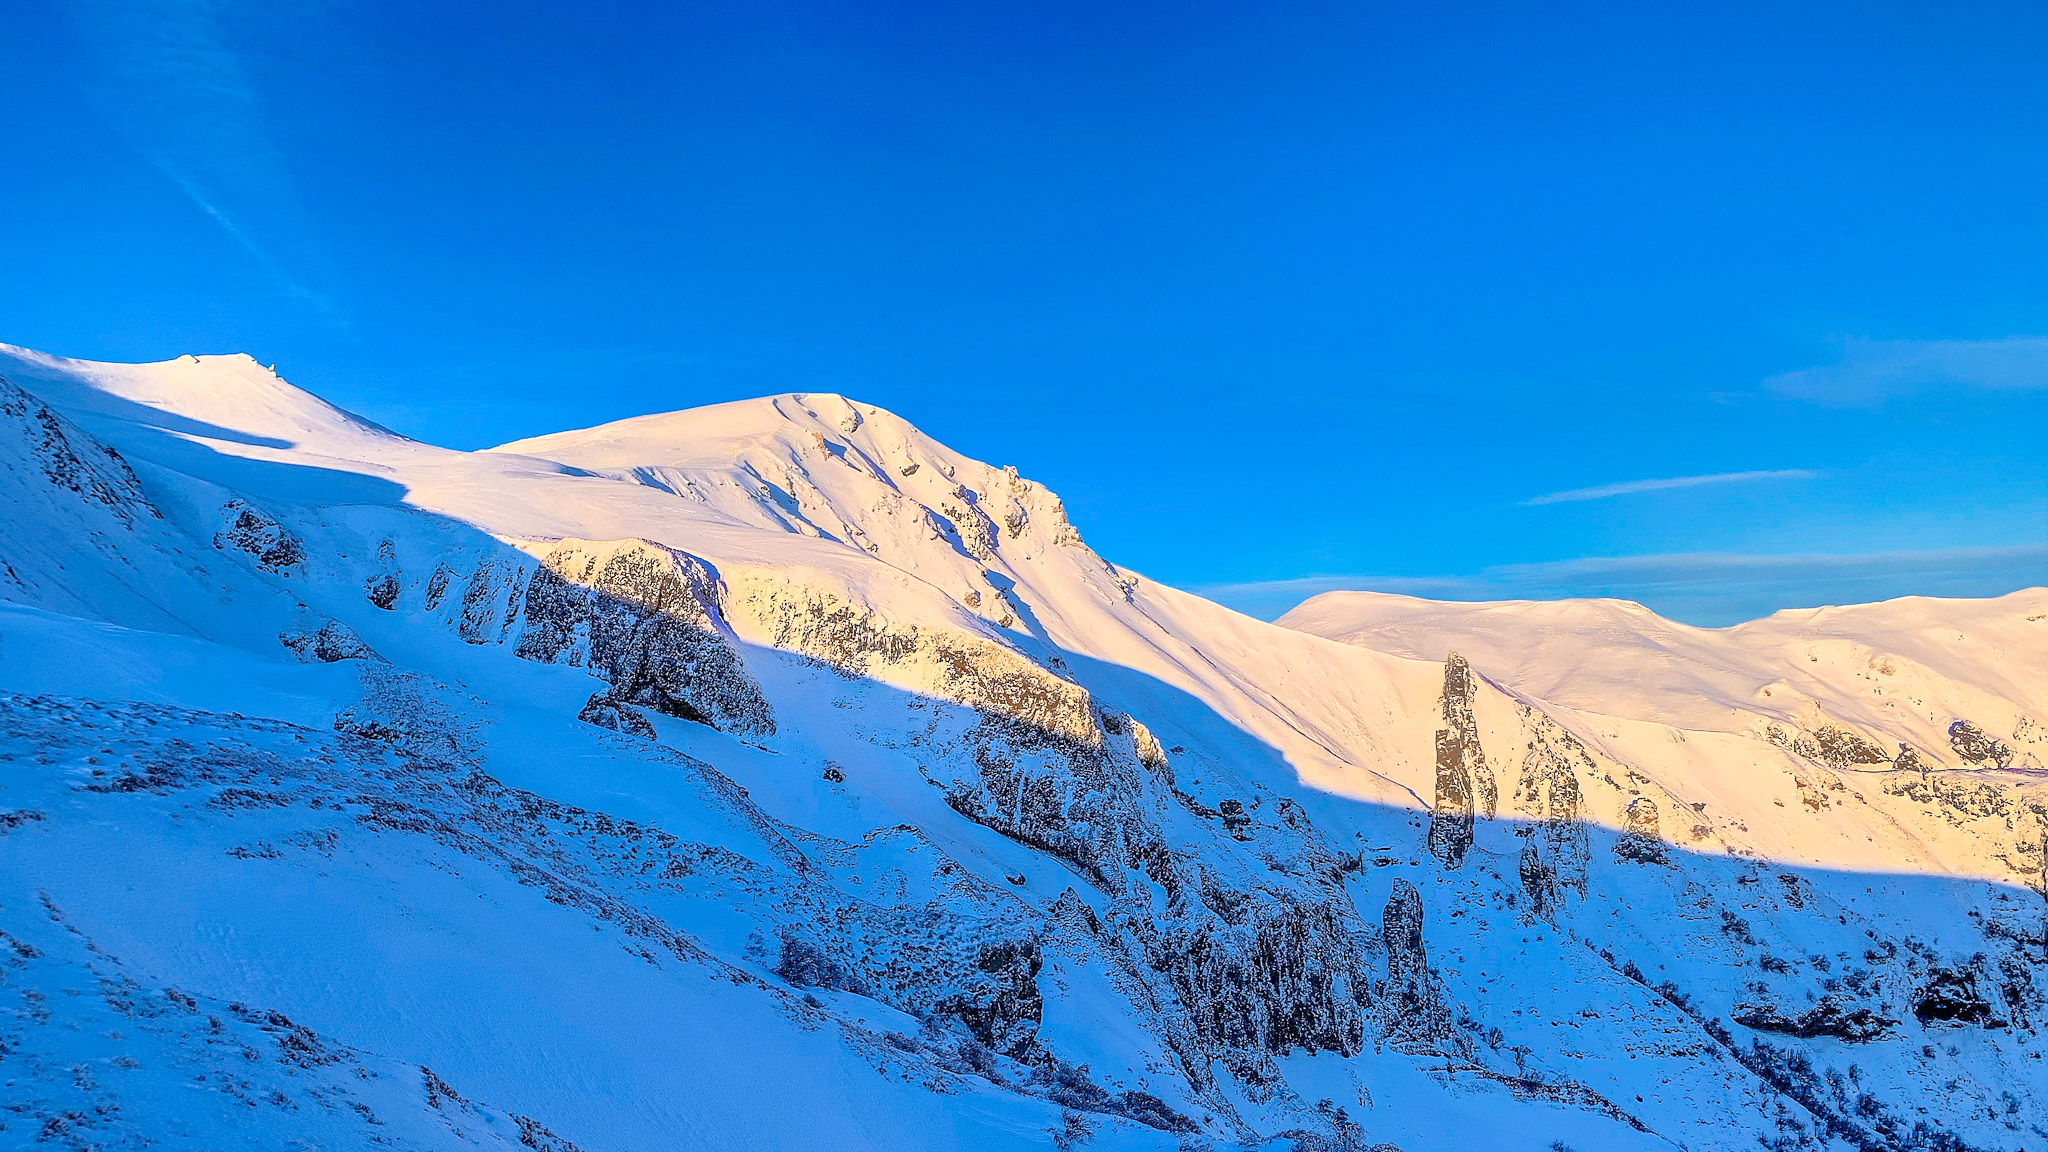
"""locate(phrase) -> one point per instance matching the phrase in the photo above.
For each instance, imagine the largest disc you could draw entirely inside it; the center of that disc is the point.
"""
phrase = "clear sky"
(1719, 307)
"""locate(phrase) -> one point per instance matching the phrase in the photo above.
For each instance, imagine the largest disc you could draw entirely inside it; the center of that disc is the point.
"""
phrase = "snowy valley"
(768, 775)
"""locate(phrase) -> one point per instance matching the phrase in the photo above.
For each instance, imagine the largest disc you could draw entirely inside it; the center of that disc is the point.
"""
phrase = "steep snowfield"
(769, 775)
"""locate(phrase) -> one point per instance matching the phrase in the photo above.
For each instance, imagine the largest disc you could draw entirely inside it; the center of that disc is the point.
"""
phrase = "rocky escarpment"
(1228, 916)
(1250, 951)
(646, 619)
(950, 665)
(72, 460)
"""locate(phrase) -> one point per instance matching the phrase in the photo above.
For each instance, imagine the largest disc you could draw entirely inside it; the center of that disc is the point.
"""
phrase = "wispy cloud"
(170, 83)
(1632, 487)
(1871, 371)
(1698, 588)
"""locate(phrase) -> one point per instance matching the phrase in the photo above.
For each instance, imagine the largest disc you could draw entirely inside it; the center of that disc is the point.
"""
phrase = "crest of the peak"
(222, 398)
(794, 421)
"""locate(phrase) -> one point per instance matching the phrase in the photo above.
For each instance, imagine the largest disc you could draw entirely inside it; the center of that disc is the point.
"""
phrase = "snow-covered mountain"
(769, 775)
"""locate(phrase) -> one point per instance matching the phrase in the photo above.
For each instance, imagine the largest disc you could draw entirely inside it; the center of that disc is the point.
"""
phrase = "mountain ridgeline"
(770, 775)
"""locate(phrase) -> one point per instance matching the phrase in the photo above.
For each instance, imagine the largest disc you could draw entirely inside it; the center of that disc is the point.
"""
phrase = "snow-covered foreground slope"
(769, 775)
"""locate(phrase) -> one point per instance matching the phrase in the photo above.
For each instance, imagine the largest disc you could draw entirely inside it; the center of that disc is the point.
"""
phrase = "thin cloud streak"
(172, 86)
(1633, 487)
(1710, 589)
(1869, 372)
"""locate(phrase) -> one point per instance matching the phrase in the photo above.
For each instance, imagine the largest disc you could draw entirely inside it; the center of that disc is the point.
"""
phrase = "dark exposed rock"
(645, 619)
(382, 590)
(1977, 746)
(1831, 1017)
(1247, 970)
(806, 965)
(1959, 799)
(1077, 801)
(1003, 1008)
(1549, 790)
(248, 529)
(1457, 755)
(1950, 996)
(1401, 933)
(1235, 820)
(482, 621)
(331, 642)
(1909, 760)
(1485, 790)
(1413, 1013)
(1838, 747)
(1450, 818)
(1641, 839)
(1284, 976)
(608, 711)
(437, 586)
(1539, 879)
(971, 527)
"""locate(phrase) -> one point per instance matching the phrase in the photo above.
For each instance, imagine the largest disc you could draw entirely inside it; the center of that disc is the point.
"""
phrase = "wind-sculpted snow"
(101, 1057)
(772, 776)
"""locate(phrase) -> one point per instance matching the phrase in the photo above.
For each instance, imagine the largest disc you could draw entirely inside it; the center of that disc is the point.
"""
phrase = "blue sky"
(1719, 307)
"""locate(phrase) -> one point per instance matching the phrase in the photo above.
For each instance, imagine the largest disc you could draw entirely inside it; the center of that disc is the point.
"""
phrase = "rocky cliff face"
(646, 619)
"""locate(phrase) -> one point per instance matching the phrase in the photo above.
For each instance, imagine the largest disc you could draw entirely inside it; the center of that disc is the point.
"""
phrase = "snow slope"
(768, 774)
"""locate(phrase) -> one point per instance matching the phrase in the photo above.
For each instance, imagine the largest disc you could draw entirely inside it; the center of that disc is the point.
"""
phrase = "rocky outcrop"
(1910, 760)
(1414, 1015)
(1831, 1017)
(248, 529)
(608, 711)
(1838, 747)
(1976, 746)
(646, 619)
(1539, 879)
(1458, 759)
(1548, 789)
(1001, 1005)
(1950, 996)
(382, 590)
(970, 528)
(1083, 804)
(952, 665)
(327, 644)
(1642, 838)
(1268, 974)
(490, 602)
(1450, 817)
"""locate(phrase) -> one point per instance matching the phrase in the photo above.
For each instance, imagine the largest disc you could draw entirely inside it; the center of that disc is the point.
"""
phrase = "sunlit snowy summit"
(770, 776)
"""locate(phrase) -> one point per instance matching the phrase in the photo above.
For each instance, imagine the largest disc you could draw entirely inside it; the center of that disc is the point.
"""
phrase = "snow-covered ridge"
(769, 774)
